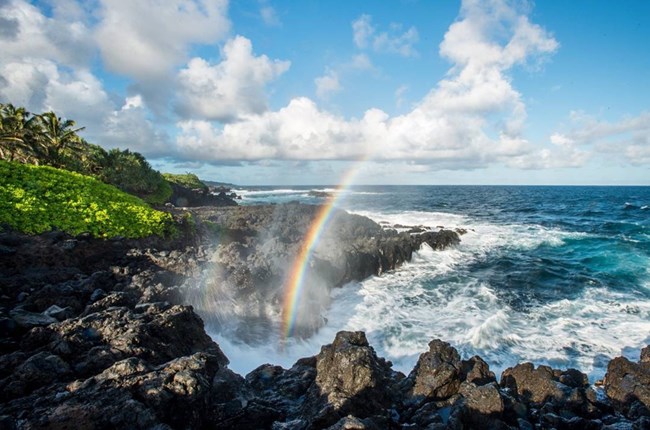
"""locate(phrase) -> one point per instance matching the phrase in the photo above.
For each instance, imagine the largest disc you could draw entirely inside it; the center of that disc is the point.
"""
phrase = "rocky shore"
(110, 334)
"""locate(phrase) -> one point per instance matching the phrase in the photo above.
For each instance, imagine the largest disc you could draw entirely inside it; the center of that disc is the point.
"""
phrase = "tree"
(17, 129)
(58, 139)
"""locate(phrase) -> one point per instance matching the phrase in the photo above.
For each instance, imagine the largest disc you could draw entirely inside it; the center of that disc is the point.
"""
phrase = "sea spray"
(553, 275)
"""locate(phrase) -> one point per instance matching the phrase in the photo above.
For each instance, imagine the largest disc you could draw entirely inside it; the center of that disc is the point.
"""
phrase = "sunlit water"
(552, 275)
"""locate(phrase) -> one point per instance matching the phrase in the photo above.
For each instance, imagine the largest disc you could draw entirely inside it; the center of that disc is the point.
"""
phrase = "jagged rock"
(437, 374)
(440, 240)
(37, 371)
(350, 378)
(482, 400)
(534, 385)
(58, 313)
(26, 319)
(645, 355)
(353, 423)
(563, 393)
(627, 382)
(477, 371)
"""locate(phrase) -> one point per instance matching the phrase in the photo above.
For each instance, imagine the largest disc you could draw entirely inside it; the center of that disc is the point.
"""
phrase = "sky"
(263, 92)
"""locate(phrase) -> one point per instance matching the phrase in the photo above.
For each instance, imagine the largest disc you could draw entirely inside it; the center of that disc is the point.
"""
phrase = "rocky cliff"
(99, 334)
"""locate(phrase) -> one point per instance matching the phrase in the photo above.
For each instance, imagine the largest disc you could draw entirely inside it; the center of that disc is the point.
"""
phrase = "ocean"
(553, 275)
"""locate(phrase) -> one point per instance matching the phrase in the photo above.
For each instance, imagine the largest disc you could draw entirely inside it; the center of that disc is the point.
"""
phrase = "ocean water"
(552, 275)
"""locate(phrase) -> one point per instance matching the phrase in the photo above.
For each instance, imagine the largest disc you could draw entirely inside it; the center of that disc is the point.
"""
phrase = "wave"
(442, 294)
(245, 193)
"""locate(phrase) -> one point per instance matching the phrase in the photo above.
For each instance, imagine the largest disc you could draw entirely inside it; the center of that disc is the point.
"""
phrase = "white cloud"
(361, 62)
(229, 89)
(561, 140)
(627, 139)
(327, 84)
(365, 35)
(144, 39)
(362, 31)
(40, 85)
(399, 95)
(472, 118)
(270, 16)
(29, 34)
(129, 127)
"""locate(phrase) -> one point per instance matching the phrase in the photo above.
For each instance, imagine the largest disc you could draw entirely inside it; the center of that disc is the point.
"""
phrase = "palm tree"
(57, 138)
(16, 128)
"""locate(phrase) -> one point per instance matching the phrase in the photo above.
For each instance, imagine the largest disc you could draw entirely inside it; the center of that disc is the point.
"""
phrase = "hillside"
(36, 199)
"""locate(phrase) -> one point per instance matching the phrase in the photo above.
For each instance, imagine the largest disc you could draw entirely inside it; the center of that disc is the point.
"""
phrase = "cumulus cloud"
(627, 139)
(472, 118)
(327, 84)
(148, 48)
(28, 34)
(394, 41)
(130, 127)
(229, 89)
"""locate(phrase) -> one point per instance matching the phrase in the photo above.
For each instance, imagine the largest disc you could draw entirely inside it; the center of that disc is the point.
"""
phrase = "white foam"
(436, 295)
(245, 193)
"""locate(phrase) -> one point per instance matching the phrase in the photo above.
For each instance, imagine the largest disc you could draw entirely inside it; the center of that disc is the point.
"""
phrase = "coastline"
(92, 325)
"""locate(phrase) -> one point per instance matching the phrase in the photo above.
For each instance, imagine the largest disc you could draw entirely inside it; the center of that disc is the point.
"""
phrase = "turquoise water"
(553, 275)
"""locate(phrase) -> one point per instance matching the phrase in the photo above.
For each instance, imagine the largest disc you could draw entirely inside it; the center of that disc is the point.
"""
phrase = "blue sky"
(284, 92)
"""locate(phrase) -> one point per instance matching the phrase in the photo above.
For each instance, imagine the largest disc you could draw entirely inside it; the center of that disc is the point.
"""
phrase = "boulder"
(439, 240)
(438, 372)
(26, 319)
(350, 379)
(563, 392)
(534, 385)
(627, 382)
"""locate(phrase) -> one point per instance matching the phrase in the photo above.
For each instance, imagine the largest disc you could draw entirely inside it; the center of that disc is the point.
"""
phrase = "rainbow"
(295, 283)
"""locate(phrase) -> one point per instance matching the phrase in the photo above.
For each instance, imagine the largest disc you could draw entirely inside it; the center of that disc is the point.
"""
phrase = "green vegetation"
(187, 180)
(36, 199)
(130, 172)
(46, 139)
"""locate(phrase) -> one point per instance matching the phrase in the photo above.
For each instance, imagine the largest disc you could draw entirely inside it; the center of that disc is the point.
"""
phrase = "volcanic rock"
(627, 382)
(350, 378)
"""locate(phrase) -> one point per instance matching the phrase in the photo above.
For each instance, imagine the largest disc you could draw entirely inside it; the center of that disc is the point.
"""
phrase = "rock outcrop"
(257, 250)
(187, 197)
(98, 335)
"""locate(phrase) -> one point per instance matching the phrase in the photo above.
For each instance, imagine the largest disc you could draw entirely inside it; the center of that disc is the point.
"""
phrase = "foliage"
(57, 141)
(130, 172)
(187, 180)
(35, 199)
(50, 140)
(17, 129)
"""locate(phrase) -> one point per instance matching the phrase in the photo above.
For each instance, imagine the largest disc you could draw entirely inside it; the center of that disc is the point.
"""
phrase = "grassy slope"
(35, 199)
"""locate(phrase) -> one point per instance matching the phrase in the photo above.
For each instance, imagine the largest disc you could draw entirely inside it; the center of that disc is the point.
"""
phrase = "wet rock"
(440, 240)
(645, 355)
(26, 319)
(548, 392)
(437, 374)
(350, 378)
(353, 423)
(37, 371)
(58, 313)
(534, 385)
(627, 382)
(482, 400)
(97, 295)
(477, 371)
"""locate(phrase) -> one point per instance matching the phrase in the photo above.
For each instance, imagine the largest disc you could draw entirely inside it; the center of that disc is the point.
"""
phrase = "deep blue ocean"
(553, 275)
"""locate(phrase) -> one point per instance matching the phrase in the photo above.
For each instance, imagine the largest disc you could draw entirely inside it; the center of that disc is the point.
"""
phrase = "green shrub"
(35, 199)
(187, 180)
(130, 172)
